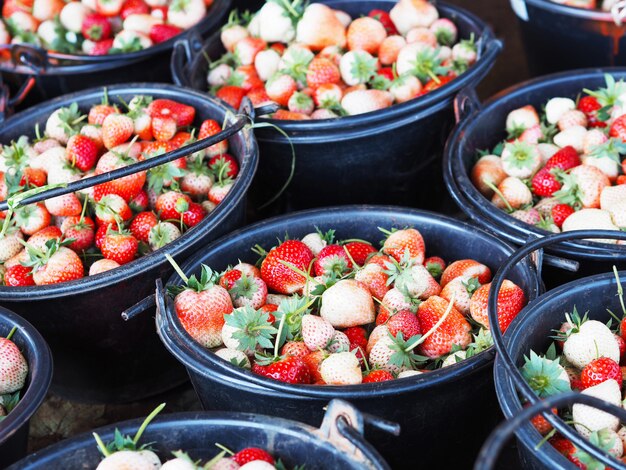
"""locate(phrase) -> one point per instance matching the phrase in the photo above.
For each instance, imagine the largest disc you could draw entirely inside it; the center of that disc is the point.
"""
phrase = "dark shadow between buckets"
(14, 428)
(481, 126)
(57, 74)
(532, 329)
(338, 444)
(558, 37)
(428, 407)
(390, 156)
(99, 357)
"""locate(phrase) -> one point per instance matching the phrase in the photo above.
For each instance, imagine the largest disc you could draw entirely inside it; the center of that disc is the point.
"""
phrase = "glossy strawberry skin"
(291, 370)
(600, 370)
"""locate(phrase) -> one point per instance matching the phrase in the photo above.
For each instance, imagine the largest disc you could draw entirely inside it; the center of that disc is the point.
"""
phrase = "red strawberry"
(321, 71)
(81, 230)
(249, 77)
(466, 267)
(142, 224)
(405, 322)
(560, 212)
(101, 47)
(13, 367)
(101, 233)
(280, 88)
(140, 202)
(250, 454)
(511, 300)
(313, 362)
(119, 246)
(544, 183)
(359, 251)
(541, 424)
(18, 275)
(291, 370)
(172, 205)
(385, 19)
(183, 114)
(590, 105)
(98, 113)
(435, 265)
(81, 152)
(116, 129)
(134, 7)
(281, 278)
(193, 215)
(231, 95)
(358, 338)
(208, 128)
(455, 330)
(565, 158)
(405, 241)
(163, 128)
(96, 27)
(377, 376)
(332, 259)
(567, 448)
(163, 32)
(433, 84)
(224, 166)
(34, 177)
(599, 371)
(126, 187)
(618, 128)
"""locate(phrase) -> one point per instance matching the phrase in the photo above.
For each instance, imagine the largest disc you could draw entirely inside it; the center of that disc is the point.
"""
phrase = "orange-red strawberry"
(80, 229)
(13, 367)
(511, 300)
(291, 370)
(116, 129)
(281, 278)
(618, 128)
(565, 158)
(181, 113)
(322, 71)
(295, 349)
(126, 187)
(359, 251)
(101, 232)
(208, 128)
(18, 275)
(98, 113)
(201, 307)
(453, 331)
(33, 177)
(290, 115)
(54, 263)
(544, 183)
(405, 322)
(140, 202)
(313, 361)
(119, 246)
(541, 424)
(280, 88)
(81, 152)
(172, 205)
(142, 224)
(433, 84)
(258, 96)
(466, 267)
(63, 206)
(435, 265)
(405, 241)
(248, 77)
(365, 34)
(390, 48)
(600, 370)
(375, 278)
(231, 95)
(560, 212)
(377, 375)
(134, 7)
(163, 128)
(513, 193)
(163, 32)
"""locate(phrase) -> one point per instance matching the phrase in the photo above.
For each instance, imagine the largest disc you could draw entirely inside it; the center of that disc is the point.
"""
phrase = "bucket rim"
(576, 12)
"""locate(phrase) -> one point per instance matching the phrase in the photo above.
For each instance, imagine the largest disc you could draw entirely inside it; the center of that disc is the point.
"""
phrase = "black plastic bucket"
(431, 408)
(390, 156)
(196, 433)
(98, 356)
(559, 37)
(532, 329)
(481, 126)
(14, 428)
(58, 74)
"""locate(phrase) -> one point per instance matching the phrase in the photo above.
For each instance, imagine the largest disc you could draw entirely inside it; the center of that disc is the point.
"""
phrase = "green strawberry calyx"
(543, 375)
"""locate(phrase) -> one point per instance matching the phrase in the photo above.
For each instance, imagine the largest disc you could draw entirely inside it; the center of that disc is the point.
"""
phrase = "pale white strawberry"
(162, 234)
(515, 193)
(234, 356)
(380, 355)
(186, 13)
(464, 52)
(339, 343)
(405, 88)
(276, 299)
(344, 18)
(102, 265)
(140, 23)
(232, 35)
(520, 159)
(323, 113)
(572, 118)
(530, 216)
(266, 62)
(72, 16)
(181, 463)
(417, 282)
(377, 333)
(256, 465)
(405, 63)
(230, 341)
(587, 419)
(546, 151)
(557, 107)
(347, 303)
(314, 242)
(63, 174)
(275, 24)
(531, 135)
(341, 368)
(622, 434)
(196, 184)
(618, 214)
(545, 205)
(409, 373)
(319, 27)
(423, 35)
(248, 269)
(48, 32)
(390, 48)
(13, 367)
(611, 195)
(610, 436)
(124, 37)
(55, 128)
(249, 290)
(592, 340)
(606, 165)
(573, 136)
(590, 219)
(219, 75)
(316, 332)
(357, 67)
(396, 300)
(522, 118)
(444, 53)
(365, 101)
(208, 206)
(454, 358)
(458, 287)
(409, 14)
(593, 138)
(127, 459)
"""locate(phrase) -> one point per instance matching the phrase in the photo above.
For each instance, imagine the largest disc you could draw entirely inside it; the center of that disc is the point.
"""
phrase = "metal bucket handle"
(488, 456)
(245, 116)
(492, 307)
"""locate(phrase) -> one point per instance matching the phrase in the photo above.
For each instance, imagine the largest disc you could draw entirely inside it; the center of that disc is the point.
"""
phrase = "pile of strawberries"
(97, 27)
(111, 224)
(562, 170)
(319, 63)
(588, 356)
(13, 373)
(320, 311)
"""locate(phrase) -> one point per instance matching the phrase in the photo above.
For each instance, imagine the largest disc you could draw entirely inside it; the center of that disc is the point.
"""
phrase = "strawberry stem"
(101, 446)
(491, 186)
(620, 290)
(224, 448)
(146, 421)
(423, 338)
(294, 268)
(278, 335)
(11, 333)
(177, 268)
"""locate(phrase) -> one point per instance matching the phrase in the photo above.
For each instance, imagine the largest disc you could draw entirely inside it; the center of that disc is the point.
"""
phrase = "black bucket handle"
(185, 51)
(492, 308)
(488, 455)
(466, 104)
(246, 116)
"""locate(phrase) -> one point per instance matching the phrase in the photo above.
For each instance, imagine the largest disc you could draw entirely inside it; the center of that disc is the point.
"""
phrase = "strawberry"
(466, 267)
(280, 88)
(377, 375)
(119, 246)
(96, 27)
(280, 277)
(401, 242)
(193, 215)
(82, 152)
(454, 330)
(208, 128)
(587, 419)
(582, 186)
(142, 224)
(342, 368)
(134, 7)
(127, 187)
(600, 370)
(30, 219)
(246, 77)
(13, 367)
(98, 113)
(224, 166)
(589, 340)
(520, 159)
(139, 203)
(512, 193)
(300, 103)
(560, 212)
(219, 191)
(313, 361)
(434, 84)
(101, 47)
(359, 251)
(231, 95)
(186, 13)
(109, 7)
(16, 276)
(317, 333)
(394, 301)
(81, 230)
(384, 19)
(541, 424)
(618, 128)
(487, 173)
(322, 71)
(33, 177)
(511, 300)
(172, 205)
(64, 206)
(462, 288)
(116, 129)
(248, 290)
(294, 348)
(435, 265)
(357, 337)
(565, 158)
(247, 48)
(290, 115)
(404, 322)
(375, 279)
(163, 128)
(183, 114)
(111, 209)
(290, 370)
(332, 259)
(544, 183)
(365, 34)
(163, 32)
(390, 48)
(54, 263)
(252, 454)
(319, 27)
(39, 239)
(347, 303)
(162, 234)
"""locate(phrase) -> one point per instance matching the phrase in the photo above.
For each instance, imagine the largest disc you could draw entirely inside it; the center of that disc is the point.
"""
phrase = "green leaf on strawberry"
(543, 375)
(293, 308)
(253, 328)
(603, 439)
